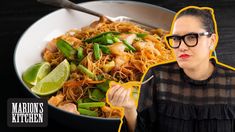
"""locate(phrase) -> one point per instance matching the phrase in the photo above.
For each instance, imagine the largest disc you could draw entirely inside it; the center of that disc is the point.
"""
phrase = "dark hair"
(204, 14)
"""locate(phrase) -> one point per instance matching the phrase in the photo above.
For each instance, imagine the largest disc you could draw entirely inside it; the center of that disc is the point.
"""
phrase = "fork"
(70, 5)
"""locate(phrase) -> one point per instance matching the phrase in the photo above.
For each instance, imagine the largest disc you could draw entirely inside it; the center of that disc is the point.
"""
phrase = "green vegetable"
(105, 39)
(99, 37)
(66, 49)
(73, 66)
(103, 86)
(86, 71)
(96, 51)
(116, 39)
(87, 112)
(129, 46)
(80, 54)
(80, 101)
(97, 94)
(141, 35)
(86, 100)
(100, 77)
(91, 104)
(105, 49)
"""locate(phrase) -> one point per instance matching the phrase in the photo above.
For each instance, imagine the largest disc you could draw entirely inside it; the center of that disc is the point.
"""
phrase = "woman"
(193, 94)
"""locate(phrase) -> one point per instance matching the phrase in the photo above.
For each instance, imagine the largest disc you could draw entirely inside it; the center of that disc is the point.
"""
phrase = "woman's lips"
(184, 56)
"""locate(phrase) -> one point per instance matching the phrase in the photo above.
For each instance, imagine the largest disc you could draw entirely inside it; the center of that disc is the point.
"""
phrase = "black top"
(174, 102)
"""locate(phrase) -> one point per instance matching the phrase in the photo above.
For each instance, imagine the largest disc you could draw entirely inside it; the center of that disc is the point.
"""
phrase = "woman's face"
(192, 57)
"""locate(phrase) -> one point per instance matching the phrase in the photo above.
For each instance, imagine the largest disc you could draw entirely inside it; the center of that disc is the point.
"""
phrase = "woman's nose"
(183, 46)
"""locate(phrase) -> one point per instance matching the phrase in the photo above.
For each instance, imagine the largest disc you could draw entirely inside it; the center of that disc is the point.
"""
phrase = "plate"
(31, 44)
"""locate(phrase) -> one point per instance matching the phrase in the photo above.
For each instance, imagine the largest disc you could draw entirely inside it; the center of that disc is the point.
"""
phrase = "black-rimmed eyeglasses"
(190, 39)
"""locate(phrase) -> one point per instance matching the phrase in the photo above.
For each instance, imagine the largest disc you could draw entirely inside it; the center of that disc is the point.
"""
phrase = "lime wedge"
(54, 80)
(36, 72)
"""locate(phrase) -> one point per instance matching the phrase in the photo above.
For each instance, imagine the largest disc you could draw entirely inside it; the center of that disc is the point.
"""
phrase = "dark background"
(17, 15)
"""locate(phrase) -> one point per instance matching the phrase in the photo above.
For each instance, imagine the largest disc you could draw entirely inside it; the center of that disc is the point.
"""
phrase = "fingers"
(125, 97)
(120, 96)
(130, 102)
(117, 95)
(128, 94)
(111, 91)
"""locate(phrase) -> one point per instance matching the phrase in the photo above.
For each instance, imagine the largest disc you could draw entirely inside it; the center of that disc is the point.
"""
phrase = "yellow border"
(215, 45)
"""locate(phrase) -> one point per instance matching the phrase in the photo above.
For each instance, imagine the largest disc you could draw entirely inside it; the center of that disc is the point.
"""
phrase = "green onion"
(103, 86)
(86, 100)
(87, 112)
(90, 40)
(97, 94)
(105, 49)
(91, 104)
(66, 49)
(90, 96)
(100, 77)
(73, 66)
(129, 46)
(80, 54)
(116, 39)
(80, 101)
(141, 35)
(96, 51)
(106, 39)
(86, 71)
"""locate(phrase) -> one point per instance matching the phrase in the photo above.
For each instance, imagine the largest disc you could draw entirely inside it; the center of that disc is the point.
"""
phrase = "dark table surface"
(18, 15)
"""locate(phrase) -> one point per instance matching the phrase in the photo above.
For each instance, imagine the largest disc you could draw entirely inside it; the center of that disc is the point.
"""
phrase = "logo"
(27, 112)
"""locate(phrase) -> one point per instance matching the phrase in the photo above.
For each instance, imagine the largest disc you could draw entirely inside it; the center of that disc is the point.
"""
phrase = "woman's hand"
(119, 96)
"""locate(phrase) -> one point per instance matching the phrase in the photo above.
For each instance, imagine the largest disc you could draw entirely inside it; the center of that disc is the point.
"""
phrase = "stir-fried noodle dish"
(102, 52)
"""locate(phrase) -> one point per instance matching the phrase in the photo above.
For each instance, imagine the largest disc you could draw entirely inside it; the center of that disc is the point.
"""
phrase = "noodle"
(129, 66)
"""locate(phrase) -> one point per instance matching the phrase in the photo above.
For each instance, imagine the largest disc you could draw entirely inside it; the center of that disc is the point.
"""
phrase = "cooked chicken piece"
(139, 45)
(70, 107)
(55, 100)
(128, 37)
(120, 60)
(109, 66)
(149, 45)
(117, 48)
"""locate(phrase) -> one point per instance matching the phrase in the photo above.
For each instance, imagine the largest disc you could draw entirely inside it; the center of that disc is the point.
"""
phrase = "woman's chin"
(185, 64)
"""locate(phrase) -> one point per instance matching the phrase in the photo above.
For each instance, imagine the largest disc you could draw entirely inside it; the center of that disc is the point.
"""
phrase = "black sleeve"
(146, 113)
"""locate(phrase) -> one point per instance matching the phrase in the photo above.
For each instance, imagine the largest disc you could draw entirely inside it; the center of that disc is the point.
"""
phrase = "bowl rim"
(57, 10)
